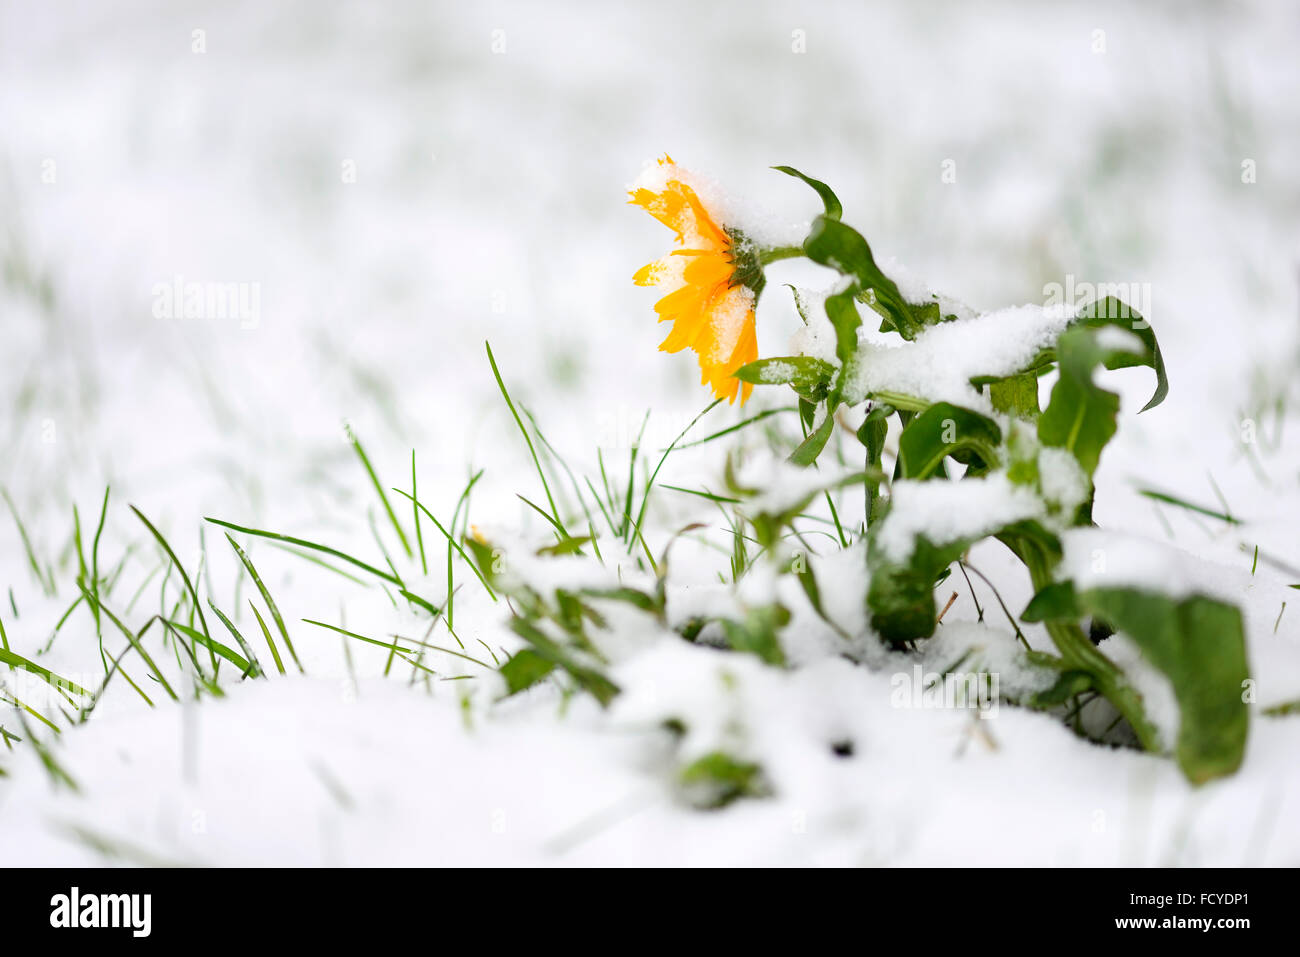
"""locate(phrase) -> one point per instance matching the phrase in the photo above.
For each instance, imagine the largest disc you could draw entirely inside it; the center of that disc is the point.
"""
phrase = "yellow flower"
(709, 303)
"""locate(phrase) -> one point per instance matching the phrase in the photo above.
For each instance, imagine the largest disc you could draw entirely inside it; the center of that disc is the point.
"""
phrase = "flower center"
(746, 262)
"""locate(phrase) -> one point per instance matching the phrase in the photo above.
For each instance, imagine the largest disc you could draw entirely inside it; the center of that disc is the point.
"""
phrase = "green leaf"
(717, 779)
(927, 313)
(1071, 682)
(1054, 602)
(1198, 643)
(846, 321)
(901, 596)
(1016, 395)
(600, 687)
(632, 596)
(1036, 546)
(1114, 312)
(808, 376)
(1080, 416)
(482, 559)
(524, 670)
(566, 546)
(872, 434)
(812, 446)
(844, 249)
(832, 202)
(757, 633)
(942, 430)
(1200, 646)
(807, 413)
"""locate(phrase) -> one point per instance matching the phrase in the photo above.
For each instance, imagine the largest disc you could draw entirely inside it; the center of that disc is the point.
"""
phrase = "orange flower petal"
(711, 312)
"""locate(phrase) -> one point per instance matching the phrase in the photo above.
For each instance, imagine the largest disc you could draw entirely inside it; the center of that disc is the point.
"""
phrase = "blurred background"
(393, 184)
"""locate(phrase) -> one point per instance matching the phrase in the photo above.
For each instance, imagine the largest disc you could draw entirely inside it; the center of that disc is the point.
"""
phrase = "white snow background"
(489, 204)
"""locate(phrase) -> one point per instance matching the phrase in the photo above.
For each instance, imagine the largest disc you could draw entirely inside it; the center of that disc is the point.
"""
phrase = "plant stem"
(1078, 652)
(779, 253)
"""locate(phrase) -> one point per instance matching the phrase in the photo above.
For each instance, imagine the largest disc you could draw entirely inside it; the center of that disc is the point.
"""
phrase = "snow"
(728, 321)
(760, 226)
(1097, 804)
(1116, 339)
(991, 651)
(1100, 558)
(947, 512)
(783, 486)
(816, 336)
(777, 372)
(1061, 479)
(917, 290)
(1158, 701)
(939, 364)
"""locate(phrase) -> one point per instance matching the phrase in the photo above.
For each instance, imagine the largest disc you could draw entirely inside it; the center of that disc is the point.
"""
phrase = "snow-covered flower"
(714, 280)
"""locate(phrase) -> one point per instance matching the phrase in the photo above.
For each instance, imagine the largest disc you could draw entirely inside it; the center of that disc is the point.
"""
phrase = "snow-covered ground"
(393, 184)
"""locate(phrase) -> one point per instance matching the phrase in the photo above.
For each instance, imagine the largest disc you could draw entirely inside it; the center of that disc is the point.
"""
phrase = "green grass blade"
(555, 512)
(239, 661)
(1189, 506)
(559, 529)
(134, 640)
(389, 645)
(379, 489)
(270, 642)
(94, 576)
(415, 514)
(17, 702)
(306, 556)
(47, 584)
(424, 603)
(15, 660)
(626, 524)
(266, 597)
(645, 498)
(735, 428)
(239, 640)
(461, 503)
(703, 494)
(455, 544)
(194, 595)
(394, 646)
(601, 505)
(303, 543)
